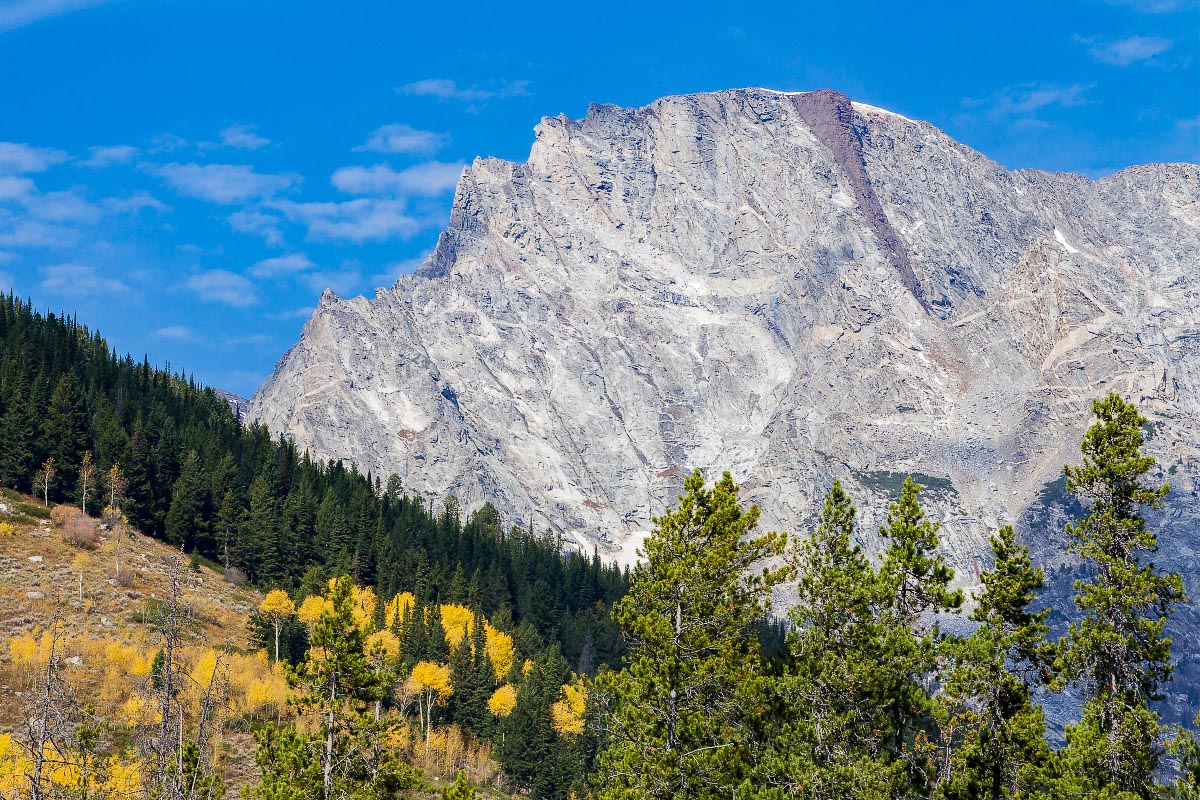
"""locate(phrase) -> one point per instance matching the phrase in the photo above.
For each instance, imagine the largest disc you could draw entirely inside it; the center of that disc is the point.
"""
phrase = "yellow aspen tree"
(456, 621)
(87, 477)
(311, 609)
(503, 701)
(500, 650)
(432, 684)
(278, 608)
(568, 711)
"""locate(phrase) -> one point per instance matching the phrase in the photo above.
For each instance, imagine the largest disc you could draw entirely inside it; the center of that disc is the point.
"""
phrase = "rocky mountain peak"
(791, 286)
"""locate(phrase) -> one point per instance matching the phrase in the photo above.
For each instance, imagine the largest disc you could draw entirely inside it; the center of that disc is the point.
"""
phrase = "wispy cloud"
(345, 281)
(12, 188)
(224, 183)
(256, 222)
(110, 156)
(448, 89)
(32, 233)
(1131, 50)
(180, 333)
(243, 137)
(62, 207)
(293, 313)
(167, 143)
(1028, 99)
(431, 178)
(365, 219)
(397, 138)
(283, 265)
(18, 13)
(223, 286)
(20, 159)
(79, 281)
(135, 203)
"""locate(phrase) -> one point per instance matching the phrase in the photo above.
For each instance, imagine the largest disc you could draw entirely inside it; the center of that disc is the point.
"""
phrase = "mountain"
(790, 286)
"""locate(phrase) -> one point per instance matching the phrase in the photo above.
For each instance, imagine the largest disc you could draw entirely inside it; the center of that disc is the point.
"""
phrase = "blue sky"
(188, 176)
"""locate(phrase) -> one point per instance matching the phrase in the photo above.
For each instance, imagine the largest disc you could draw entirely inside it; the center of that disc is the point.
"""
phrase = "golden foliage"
(30, 650)
(277, 605)
(503, 701)
(500, 650)
(312, 608)
(457, 621)
(433, 678)
(397, 609)
(7, 529)
(568, 711)
(382, 644)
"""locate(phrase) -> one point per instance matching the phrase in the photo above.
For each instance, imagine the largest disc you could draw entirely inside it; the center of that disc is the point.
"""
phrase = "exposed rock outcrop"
(793, 287)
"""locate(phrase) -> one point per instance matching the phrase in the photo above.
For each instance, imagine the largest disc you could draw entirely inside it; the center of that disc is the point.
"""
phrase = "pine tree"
(914, 583)
(17, 432)
(827, 737)
(461, 790)
(1117, 654)
(994, 731)
(681, 713)
(65, 427)
(185, 521)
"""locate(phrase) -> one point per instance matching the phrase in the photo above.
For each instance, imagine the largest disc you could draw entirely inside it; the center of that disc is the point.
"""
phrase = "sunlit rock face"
(792, 287)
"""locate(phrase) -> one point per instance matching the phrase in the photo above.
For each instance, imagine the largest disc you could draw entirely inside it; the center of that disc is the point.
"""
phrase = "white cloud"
(258, 223)
(293, 313)
(1026, 100)
(31, 233)
(135, 203)
(447, 89)
(427, 179)
(18, 13)
(77, 280)
(343, 282)
(224, 183)
(243, 137)
(1123, 52)
(16, 188)
(365, 219)
(18, 159)
(62, 207)
(181, 333)
(397, 138)
(223, 286)
(283, 265)
(111, 155)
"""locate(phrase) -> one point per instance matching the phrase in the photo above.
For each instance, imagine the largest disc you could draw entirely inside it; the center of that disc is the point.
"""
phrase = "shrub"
(81, 532)
(235, 576)
(7, 529)
(32, 510)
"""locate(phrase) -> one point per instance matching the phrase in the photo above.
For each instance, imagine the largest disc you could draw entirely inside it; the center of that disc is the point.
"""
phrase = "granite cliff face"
(793, 287)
